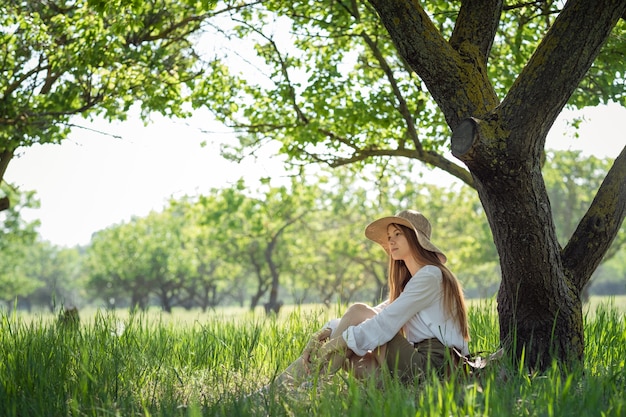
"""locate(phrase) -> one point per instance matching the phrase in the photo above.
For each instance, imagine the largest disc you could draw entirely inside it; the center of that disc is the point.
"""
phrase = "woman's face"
(399, 248)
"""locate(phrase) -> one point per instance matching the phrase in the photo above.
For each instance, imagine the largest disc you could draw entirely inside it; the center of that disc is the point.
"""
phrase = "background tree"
(208, 278)
(58, 270)
(337, 259)
(160, 236)
(263, 224)
(62, 59)
(16, 237)
(219, 235)
(116, 268)
(144, 258)
(363, 81)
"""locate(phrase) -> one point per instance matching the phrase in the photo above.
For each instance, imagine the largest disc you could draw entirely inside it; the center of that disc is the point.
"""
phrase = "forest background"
(296, 242)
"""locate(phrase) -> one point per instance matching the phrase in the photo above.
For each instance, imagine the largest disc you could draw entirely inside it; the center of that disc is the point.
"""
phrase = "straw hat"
(377, 230)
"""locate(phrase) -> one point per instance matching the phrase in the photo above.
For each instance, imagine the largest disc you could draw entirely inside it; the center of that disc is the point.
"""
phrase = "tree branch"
(5, 157)
(284, 69)
(562, 49)
(402, 104)
(599, 226)
(4, 203)
(428, 157)
(477, 24)
(457, 80)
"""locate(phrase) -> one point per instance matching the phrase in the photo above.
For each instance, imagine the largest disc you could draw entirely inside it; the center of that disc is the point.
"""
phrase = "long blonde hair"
(399, 276)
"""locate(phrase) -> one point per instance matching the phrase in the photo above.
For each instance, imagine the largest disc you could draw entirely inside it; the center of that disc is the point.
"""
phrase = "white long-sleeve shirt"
(419, 310)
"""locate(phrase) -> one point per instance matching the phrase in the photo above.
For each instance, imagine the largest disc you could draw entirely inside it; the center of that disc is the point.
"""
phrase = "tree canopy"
(62, 60)
(328, 83)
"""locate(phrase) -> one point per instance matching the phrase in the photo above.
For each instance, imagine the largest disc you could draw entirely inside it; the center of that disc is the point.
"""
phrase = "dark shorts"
(408, 361)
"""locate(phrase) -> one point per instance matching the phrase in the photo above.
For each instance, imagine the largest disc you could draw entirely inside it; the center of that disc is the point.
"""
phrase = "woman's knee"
(354, 315)
(358, 312)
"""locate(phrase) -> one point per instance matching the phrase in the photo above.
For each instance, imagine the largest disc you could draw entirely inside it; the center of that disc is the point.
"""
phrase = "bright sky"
(92, 181)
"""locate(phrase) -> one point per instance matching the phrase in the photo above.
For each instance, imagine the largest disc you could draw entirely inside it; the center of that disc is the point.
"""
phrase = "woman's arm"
(422, 289)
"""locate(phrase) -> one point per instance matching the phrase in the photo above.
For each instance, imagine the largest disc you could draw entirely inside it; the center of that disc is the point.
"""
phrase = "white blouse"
(419, 310)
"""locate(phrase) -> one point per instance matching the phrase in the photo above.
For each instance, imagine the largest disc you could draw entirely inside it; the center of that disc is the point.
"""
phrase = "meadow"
(207, 364)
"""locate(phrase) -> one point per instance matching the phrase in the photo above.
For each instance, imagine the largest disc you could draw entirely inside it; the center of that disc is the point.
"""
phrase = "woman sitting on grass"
(412, 331)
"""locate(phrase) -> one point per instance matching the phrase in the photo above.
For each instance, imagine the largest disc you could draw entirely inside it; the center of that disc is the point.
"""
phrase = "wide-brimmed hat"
(377, 230)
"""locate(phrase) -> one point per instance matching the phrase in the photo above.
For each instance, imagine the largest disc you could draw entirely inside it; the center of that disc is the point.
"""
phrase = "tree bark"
(5, 158)
(502, 144)
(446, 66)
(5, 203)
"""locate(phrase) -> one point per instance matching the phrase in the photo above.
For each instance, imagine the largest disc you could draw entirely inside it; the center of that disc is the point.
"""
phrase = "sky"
(94, 180)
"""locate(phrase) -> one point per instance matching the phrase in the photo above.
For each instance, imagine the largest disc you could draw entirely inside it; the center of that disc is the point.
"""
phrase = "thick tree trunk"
(539, 300)
(540, 312)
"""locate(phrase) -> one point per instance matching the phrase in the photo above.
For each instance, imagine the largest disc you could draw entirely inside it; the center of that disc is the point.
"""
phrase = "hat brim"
(377, 232)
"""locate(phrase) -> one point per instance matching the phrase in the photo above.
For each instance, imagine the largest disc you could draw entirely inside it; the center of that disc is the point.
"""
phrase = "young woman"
(413, 330)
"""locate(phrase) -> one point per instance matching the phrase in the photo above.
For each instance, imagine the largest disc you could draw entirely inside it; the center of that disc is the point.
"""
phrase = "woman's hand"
(332, 355)
(316, 341)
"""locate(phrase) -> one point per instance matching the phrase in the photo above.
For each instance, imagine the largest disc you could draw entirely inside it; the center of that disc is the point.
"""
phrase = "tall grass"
(148, 364)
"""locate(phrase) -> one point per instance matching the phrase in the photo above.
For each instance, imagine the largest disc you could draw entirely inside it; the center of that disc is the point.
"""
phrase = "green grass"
(193, 364)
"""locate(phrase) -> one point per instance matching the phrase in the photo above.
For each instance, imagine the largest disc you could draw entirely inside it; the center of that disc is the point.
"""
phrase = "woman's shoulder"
(428, 278)
(430, 274)
(430, 270)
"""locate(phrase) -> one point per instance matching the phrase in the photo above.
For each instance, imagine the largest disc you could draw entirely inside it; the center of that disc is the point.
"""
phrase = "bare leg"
(298, 370)
(295, 373)
(361, 365)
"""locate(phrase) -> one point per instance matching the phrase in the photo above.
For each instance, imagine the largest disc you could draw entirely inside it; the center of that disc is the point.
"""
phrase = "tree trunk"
(138, 301)
(5, 203)
(540, 312)
(254, 300)
(166, 303)
(5, 157)
(539, 300)
(273, 305)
